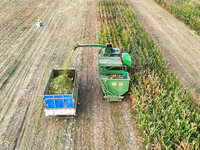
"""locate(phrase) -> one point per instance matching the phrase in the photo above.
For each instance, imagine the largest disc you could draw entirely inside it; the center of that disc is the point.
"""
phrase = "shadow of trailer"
(61, 104)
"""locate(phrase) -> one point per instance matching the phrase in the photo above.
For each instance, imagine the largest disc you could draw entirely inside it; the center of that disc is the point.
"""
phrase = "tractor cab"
(114, 52)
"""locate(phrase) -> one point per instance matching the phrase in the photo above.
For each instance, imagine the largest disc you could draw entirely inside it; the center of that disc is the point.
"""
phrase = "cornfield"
(188, 11)
(165, 110)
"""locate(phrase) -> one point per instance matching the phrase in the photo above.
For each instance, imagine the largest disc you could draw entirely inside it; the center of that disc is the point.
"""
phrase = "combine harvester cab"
(61, 104)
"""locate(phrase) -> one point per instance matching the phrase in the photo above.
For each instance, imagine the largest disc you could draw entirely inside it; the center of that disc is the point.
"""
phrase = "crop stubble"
(27, 56)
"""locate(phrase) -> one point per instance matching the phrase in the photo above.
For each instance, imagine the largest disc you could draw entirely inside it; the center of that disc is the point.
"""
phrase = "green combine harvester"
(113, 74)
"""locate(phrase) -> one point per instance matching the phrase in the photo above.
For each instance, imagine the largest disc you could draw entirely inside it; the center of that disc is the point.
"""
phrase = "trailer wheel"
(103, 95)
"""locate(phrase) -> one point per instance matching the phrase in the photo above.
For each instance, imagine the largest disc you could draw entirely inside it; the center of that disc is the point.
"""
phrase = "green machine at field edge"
(113, 74)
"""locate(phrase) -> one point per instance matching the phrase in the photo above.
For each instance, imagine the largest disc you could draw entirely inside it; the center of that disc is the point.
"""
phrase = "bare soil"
(27, 55)
(179, 44)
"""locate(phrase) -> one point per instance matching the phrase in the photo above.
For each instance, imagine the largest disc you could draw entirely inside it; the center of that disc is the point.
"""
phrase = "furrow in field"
(13, 56)
(19, 52)
(54, 129)
(31, 64)
(9, 26)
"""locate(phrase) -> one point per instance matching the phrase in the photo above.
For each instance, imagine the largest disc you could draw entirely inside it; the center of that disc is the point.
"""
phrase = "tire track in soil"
(34, 93)
(83, 120)
(28, 43)
(103, 124)
(12, 68)
(17, 80)
(22, 75)
(11, 25)
(5, 67)
(6, 11)
(52, 130)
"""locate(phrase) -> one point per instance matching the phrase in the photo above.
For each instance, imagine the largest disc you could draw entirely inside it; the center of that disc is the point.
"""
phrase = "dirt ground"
(27, 55)
(180, 45)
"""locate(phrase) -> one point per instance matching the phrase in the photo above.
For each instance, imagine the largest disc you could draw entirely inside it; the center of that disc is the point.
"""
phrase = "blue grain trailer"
(61, 104)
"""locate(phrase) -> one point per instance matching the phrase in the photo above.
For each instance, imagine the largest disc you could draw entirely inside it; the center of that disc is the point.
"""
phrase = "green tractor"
(113, 74)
